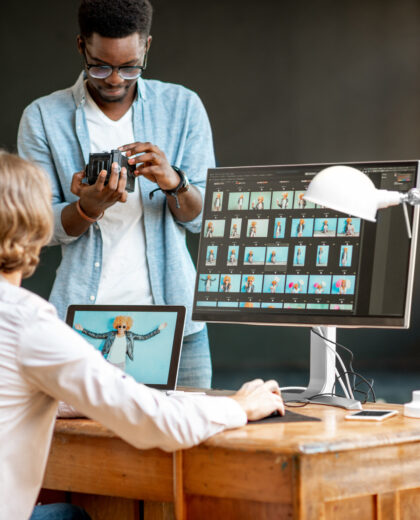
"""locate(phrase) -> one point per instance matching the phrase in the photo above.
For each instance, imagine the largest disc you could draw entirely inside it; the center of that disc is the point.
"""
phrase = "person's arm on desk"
(61, 364)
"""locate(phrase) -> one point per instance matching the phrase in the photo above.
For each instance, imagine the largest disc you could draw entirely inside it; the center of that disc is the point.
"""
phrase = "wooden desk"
(330, 470)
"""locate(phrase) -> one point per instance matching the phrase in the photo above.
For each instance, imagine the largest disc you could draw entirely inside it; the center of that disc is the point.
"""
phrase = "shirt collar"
(79, 91)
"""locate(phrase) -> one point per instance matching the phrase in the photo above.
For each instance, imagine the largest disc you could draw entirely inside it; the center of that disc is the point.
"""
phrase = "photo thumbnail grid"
(274, 244)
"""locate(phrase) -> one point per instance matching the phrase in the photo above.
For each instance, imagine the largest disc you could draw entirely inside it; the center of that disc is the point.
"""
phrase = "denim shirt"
(54, 134)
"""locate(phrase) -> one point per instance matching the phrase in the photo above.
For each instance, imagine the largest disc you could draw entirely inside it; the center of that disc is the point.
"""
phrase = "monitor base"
(328, 400)
(322, 374)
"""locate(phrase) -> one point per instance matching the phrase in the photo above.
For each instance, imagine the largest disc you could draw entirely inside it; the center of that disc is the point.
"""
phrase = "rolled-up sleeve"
(33, 146)
(198, 154)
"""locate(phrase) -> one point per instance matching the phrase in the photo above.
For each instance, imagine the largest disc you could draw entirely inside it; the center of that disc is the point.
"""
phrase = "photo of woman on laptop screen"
(139, 343)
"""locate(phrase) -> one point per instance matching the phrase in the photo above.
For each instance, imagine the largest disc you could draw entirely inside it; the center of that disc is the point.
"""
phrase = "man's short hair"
(115, 18)
(26, 219)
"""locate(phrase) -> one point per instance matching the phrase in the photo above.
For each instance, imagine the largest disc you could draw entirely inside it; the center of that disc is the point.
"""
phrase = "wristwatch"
(183, 185)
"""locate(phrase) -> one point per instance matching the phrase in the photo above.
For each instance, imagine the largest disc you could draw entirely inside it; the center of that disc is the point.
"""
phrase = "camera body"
(103, 161)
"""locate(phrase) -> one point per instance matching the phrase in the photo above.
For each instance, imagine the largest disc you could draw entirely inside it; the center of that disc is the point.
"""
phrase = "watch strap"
(183, 185)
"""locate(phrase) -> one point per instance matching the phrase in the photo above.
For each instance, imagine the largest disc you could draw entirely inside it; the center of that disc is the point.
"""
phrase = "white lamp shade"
(350, 191)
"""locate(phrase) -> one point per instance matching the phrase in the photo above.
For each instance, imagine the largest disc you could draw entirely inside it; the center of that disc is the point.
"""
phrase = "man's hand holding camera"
(97, 198)
(152, 163)
(94, 199)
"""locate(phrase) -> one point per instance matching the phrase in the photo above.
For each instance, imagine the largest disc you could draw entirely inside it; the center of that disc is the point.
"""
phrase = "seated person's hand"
(259, 399)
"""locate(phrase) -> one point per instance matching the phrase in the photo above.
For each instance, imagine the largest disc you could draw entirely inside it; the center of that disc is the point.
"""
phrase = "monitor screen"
(268, 256)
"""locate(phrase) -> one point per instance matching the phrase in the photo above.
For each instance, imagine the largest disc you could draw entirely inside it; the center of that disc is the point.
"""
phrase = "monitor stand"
(322, 374)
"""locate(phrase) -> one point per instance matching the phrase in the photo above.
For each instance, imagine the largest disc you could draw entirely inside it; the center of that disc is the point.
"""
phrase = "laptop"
(142, 340)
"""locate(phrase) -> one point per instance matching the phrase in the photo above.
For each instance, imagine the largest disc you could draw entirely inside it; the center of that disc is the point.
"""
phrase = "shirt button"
(91, 298)
(96, 226)
(97, 264)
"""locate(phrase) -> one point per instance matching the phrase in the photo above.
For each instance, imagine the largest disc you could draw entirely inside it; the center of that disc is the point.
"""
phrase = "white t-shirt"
(118, 350)
(124, 274)
(42, 360)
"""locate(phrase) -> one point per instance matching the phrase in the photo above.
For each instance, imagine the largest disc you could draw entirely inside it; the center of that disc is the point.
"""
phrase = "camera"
(103, 161)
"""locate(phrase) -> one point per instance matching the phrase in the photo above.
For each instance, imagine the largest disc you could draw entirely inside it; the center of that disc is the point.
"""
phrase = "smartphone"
(371, 415)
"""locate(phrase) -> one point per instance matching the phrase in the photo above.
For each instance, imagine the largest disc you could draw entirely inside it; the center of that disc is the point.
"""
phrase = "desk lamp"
(347, 189)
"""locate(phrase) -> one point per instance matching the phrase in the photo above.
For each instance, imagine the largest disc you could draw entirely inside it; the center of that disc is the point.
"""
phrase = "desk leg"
(179, 496)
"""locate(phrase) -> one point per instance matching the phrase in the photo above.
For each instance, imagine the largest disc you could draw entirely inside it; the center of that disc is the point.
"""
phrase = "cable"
(351, 371)
(337, 355)
(285, 388)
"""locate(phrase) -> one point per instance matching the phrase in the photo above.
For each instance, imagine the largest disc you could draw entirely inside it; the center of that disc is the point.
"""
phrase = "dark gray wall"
(283, 82)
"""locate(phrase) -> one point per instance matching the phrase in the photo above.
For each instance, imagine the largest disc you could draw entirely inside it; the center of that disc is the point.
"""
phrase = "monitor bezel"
(285, 318)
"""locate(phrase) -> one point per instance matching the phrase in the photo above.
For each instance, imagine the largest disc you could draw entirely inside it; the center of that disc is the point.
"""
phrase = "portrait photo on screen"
(208, 283)
(322, 255)
(302, 227)
(139, 343)
(343, 284)
(257, 228)
(254, 256)
(300, 202)
(282, 200)
(319, 284)
(260, 200)
(238, 201)
(348, 227)
(235, 228)
(214, 228)
(296, 283)
(217, 201)
(346, 253)
(252, 283)
(233, 254)
(230, 283)
(211, 256)
(279, 228)
(274, 283)
(299, 256)
(325, 227)
(277, 255)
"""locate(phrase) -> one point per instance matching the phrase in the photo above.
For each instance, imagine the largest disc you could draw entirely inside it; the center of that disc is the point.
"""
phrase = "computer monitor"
(267, 256)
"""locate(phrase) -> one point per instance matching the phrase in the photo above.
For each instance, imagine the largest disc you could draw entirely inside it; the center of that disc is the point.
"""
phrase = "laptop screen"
(143, 341)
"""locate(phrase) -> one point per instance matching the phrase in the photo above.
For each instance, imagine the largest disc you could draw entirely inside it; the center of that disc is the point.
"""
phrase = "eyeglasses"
(127, 72)
(121, 326)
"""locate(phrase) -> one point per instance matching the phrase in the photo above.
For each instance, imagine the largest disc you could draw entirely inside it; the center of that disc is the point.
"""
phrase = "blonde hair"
(123, 320)
(26, 219)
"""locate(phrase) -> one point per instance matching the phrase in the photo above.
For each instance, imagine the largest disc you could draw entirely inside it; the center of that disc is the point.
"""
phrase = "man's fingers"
(123, 181)
(138, 147)
(149, 157)
(100, 181)
(76, 182)
(114, 177)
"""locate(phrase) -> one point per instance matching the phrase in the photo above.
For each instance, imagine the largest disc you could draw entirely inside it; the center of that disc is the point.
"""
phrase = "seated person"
(42, 361)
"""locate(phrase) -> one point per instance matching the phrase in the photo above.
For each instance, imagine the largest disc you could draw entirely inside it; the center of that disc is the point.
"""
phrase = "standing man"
(119, 247)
